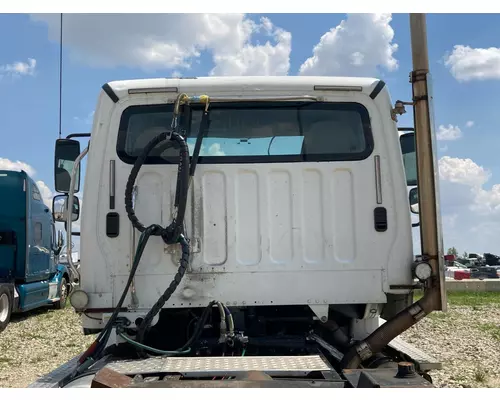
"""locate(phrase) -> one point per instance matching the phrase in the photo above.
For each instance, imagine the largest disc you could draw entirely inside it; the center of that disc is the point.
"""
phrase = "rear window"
(256, 132)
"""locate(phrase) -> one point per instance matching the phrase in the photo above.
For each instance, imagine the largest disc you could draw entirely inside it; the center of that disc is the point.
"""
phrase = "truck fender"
(62, 270)
(62, 274)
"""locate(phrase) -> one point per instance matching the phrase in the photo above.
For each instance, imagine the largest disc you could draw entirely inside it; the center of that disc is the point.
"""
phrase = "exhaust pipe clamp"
(416, 312)
(364, 351)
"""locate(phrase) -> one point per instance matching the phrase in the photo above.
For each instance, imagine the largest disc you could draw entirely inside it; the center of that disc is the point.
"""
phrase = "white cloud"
(469, 124)
(266, 59)
(7, 164)
(449, 132)
(468, 207)
(87, 120)
(467, 63)
(359, 45)
(173, 41)
(19, 68)
(46, 193)
(463, 171)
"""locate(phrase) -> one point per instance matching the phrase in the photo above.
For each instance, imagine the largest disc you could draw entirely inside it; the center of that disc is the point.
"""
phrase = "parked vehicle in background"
(484, 273)
(491, 259)
(74, 268)
(30, 274)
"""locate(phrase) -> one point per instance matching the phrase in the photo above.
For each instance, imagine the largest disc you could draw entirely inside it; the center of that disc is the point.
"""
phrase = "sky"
(464, 52)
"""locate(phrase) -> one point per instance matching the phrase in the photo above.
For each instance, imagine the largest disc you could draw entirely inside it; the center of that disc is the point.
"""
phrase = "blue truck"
(30, 274)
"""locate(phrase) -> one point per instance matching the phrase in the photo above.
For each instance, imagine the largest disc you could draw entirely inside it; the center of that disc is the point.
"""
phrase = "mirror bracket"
(399, 109)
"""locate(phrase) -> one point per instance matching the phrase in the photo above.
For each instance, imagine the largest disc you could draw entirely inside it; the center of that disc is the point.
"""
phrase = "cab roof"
(119, 89)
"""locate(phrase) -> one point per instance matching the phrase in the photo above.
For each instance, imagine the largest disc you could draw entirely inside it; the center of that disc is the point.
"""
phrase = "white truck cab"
(294, 213)
(300, 201)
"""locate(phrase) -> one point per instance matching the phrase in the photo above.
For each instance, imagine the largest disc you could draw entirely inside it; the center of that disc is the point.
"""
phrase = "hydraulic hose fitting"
(181, 99)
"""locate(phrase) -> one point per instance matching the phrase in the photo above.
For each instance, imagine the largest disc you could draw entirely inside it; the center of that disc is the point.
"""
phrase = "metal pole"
(427, 167)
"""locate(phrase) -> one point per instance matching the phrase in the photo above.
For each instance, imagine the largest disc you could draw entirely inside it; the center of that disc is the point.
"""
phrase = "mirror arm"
(70, 207)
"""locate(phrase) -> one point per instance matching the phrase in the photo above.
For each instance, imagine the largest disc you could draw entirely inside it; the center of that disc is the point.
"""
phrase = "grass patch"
(491, 329)
(37, 359)
(437, 315)
(480, 375)
(471, 299)
(35, 336)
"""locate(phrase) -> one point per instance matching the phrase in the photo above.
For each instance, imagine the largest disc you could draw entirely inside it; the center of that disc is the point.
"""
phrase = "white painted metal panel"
(292, 233)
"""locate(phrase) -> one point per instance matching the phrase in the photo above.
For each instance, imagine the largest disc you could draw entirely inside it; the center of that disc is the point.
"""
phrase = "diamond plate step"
(210, 366)
(424, 361)
(51, 380)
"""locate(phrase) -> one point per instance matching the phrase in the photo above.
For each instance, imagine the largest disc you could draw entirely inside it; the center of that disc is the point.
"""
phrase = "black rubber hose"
(146, 322)
(96, 349)
(199, 326)
(204, 125)
(172, 232)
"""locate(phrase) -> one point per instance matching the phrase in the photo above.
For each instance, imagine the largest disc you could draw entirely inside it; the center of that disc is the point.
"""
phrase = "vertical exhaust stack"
(427, 167)
(430, 220)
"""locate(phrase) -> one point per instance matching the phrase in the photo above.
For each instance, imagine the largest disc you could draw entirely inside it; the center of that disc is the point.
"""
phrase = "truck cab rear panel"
(267, 231)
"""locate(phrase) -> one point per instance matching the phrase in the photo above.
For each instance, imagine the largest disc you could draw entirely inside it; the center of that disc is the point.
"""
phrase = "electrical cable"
(182, 350)
(96, 348)
(230, 320)
(270, 144)
(151, 349)
(170, 235)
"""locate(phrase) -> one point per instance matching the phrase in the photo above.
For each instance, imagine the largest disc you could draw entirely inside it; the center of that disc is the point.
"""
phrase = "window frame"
(35, 193)
(38, 242)
(249, 159)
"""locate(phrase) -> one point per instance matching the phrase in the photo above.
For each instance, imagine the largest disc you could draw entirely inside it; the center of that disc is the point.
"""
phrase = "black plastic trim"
(112, 224)
(327, 157)
(112, 95)
(380, 219)
(72, 135)
(377, 89)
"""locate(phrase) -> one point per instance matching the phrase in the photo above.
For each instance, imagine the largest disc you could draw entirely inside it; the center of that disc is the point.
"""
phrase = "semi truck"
(30, 275)
(254, 232)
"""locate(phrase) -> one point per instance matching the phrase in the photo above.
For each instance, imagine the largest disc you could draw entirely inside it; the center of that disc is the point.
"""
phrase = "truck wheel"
(5, 307)
(61, 303)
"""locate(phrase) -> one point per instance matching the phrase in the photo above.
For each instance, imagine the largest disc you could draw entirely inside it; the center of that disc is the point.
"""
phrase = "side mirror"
(66, 153)
(413, 197)
(60, 208)
(409, 151)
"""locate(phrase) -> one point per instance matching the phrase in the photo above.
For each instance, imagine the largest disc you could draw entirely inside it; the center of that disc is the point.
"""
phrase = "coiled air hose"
(171, 234)
(174, 232)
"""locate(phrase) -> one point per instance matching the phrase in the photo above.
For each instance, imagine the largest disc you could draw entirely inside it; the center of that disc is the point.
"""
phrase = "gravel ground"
(37, 342)
(466, 339)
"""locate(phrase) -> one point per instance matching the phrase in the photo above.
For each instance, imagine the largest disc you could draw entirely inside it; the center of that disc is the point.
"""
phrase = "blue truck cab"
(30, 275)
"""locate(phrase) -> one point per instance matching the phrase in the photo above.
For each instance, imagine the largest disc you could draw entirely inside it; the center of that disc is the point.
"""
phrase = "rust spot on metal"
(256, 376)
(107, 378)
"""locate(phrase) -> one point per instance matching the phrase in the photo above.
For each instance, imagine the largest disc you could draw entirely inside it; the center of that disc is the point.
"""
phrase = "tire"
(5, 307)
(61, 303)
